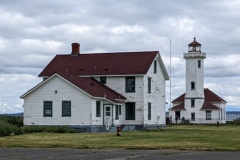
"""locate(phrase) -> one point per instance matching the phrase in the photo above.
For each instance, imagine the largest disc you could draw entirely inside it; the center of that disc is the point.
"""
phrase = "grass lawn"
(192, 137)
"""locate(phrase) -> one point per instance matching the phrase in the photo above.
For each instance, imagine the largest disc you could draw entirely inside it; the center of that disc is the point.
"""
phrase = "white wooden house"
(197, 105)
(98, 91)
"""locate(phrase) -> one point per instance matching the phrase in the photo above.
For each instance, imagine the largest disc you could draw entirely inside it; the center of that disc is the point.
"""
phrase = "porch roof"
(178, 107)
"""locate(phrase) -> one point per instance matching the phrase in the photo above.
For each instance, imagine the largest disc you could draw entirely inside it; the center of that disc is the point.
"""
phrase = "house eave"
(162, 66)
(122, 75)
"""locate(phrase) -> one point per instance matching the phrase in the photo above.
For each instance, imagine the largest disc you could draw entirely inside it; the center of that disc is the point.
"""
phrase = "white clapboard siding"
(156, 97)
(80, 104)
(118, 84)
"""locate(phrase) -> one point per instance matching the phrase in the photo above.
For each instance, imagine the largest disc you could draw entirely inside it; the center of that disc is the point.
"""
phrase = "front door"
(107, 113)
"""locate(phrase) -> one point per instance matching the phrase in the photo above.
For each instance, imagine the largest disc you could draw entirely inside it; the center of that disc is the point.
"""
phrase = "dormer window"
(103, 80)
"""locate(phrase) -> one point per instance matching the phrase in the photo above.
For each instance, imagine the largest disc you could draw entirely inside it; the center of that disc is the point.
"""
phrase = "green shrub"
(17, 121)
(14, 125)
(235, 121)
(51, 129)
(7, 129)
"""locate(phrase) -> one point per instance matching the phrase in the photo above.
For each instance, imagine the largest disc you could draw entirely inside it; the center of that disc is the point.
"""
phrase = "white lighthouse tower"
(198, 105)
(194, 95)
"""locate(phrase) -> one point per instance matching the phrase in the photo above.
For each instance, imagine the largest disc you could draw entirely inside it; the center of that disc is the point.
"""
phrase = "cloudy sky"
(32, 32)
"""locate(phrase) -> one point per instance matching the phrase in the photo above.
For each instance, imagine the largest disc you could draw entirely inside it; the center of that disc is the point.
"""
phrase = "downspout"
(112, 113)
(103, 115)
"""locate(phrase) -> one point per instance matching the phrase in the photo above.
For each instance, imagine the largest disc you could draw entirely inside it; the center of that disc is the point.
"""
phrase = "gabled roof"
(209, 106)
(179, 99)
(87, 85)
(179, 107)
(210, 97)
(119, 63)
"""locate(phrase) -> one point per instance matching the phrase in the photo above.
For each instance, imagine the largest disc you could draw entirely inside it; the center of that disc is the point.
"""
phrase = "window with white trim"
(130, 84)
(208, 115)
(149, 111)
(130, 111)
(98, 108)
(66, 108)
(47, 109)
(149, 84)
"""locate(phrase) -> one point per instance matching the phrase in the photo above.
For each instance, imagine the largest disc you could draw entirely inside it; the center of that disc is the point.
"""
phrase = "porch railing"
(109, 123)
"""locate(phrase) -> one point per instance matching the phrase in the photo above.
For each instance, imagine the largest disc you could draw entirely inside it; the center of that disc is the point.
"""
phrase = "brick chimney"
(75, 49)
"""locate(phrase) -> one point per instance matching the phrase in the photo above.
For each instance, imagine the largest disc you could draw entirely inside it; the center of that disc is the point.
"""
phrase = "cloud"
(33, 32)
(12, 86)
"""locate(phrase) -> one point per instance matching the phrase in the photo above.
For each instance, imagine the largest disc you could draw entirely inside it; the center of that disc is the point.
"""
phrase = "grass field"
(192, 137)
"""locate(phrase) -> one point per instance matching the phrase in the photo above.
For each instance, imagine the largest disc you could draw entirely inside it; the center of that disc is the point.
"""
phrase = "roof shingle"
(178, 107)
(119, 63)
(209, 98)
(209, 106)
(88, 85)
(94, 87)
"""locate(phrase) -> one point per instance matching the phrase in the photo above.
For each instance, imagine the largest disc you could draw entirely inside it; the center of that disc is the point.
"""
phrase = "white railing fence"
(109, 123)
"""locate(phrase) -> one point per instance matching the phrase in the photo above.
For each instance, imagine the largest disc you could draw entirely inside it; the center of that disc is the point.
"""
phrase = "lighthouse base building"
(198, 105)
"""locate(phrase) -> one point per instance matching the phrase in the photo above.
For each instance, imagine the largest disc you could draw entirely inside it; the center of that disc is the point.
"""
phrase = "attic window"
(92, 84)
(103, 80)
(155, 67)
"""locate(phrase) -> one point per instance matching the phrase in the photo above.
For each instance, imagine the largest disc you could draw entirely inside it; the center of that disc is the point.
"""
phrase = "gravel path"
(103, 154)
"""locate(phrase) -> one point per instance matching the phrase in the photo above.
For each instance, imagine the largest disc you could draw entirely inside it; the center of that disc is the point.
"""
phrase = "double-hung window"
(130, 84)
(66, 108)
(208, 115)
(149, 84)
(47, 108)
(98, 108)
(149, 111)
